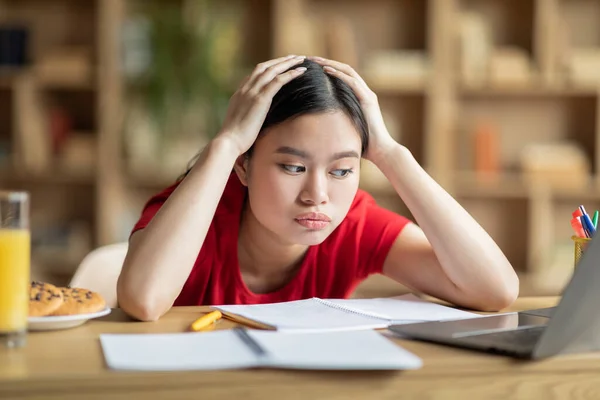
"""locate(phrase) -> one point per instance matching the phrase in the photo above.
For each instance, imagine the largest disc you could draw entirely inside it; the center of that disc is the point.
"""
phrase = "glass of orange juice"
(15, 257)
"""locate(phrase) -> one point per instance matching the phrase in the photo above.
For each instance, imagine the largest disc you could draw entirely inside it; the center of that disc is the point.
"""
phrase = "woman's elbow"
(503, 296)
(140, 306)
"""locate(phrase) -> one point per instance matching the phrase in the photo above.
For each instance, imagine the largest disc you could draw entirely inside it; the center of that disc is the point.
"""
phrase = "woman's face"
(303, 176)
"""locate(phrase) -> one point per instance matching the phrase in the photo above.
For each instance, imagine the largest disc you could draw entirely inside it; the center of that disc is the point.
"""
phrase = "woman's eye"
(341, 173)
(295, 169)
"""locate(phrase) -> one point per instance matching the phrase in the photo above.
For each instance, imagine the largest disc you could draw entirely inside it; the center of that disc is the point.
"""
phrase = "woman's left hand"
(380, 140)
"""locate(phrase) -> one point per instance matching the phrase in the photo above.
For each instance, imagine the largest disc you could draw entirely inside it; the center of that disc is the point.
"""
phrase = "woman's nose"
(315, 190)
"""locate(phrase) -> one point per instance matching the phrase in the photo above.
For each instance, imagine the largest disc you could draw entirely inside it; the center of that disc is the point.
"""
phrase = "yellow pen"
(206, 320)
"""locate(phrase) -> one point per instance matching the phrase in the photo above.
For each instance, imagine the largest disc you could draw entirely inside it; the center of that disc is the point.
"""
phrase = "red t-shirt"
(356, 249)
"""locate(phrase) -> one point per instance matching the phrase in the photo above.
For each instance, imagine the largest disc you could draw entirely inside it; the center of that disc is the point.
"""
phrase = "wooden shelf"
(399, 89)
(524, 91)
(434, 117)
(51, 177)
(504, 185)
(591, 192)
(6, 78)
(514, 185)
(64, 83)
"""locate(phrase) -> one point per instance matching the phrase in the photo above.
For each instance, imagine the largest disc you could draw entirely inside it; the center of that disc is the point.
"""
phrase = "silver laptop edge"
(575, 323)
(573, 327)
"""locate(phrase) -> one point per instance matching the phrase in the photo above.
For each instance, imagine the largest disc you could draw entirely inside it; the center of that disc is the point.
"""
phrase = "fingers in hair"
(345, 68)
(273, 72)
(273, 87)
(263, 67)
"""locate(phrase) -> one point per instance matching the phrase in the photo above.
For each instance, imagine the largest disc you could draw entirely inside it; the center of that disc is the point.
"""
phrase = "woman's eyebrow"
(345, 154)
(292, 151)
(302, 154)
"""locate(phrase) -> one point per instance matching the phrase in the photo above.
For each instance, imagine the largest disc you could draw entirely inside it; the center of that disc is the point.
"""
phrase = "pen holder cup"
(580, 245)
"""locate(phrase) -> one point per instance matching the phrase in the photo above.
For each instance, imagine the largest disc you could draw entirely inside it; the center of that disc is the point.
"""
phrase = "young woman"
(290, 222)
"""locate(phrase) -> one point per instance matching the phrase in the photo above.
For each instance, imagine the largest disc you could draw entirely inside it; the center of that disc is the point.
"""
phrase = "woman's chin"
(311, 238)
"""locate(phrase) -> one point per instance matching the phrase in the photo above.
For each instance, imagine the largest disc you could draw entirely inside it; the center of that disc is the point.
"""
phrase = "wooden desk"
(69, 365)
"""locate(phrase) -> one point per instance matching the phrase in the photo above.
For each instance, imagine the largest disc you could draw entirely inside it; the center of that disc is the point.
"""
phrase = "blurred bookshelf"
(498, 99)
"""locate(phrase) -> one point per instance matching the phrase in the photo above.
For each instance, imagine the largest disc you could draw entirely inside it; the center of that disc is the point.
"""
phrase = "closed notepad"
(357, 350)
(318, 315)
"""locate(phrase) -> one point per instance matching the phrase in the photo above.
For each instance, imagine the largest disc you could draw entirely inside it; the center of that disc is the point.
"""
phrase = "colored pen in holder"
(579, 248)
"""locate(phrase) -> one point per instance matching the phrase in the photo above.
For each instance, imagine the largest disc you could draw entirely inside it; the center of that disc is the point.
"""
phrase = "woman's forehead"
(331, 130)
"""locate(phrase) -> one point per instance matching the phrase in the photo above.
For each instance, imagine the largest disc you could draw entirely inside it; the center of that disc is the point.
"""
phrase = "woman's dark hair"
(314, 91)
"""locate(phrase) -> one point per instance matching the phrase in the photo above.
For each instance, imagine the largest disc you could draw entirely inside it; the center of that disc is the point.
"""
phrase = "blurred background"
(104, 103)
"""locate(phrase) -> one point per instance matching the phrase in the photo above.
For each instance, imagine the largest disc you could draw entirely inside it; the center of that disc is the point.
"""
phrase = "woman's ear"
(241, 168)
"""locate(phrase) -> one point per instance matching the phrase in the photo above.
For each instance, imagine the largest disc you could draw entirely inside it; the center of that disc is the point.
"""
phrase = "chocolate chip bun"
(44, 299)
(79, 301)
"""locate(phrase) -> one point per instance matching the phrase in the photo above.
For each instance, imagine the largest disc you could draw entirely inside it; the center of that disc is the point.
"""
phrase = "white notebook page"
(364, 350)
(306, 315)
(176, 351)
(406, 308)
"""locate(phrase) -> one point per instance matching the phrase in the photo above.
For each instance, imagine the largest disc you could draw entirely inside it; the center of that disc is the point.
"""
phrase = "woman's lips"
(313, 220)
(312, 224)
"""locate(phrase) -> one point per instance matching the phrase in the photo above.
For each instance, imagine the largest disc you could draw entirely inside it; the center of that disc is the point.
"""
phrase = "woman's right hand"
(249, 105)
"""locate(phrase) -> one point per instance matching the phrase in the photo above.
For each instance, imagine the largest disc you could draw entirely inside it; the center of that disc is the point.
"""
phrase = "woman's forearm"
(161, 256)
(467, 254)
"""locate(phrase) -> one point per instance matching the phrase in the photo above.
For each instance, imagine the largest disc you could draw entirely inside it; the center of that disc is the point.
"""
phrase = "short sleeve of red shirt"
(151, 208)
(374, 231)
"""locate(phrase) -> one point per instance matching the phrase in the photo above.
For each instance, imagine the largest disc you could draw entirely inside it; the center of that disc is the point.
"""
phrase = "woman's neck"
(261, 253)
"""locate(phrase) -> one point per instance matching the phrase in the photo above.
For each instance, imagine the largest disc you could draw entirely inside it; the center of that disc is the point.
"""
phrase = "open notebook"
(321, 315)
(238, 348)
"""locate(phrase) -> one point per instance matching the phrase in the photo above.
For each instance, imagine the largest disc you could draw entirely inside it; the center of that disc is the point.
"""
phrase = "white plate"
(62, 321)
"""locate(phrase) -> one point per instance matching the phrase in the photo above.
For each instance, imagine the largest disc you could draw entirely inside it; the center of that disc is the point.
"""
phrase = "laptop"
(573, 326)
